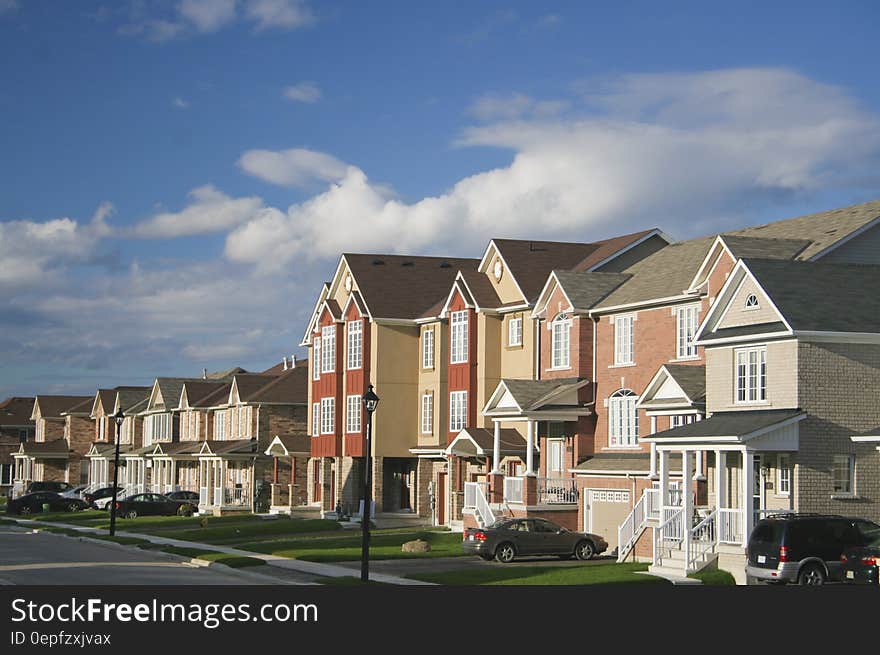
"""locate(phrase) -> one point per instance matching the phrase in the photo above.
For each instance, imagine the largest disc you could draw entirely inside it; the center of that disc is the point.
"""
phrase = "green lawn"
(383, 545)
(233, 533)
(601, 573)
(235, 561)
(714, 577)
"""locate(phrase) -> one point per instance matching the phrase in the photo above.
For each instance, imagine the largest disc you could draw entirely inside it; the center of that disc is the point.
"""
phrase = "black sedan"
(33, 503)
(102, 492)
(189, 496)
(861, 564)
(511, 537)
(153, 505)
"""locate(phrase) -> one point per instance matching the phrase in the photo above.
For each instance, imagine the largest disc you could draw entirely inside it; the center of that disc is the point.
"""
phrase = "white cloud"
(279, 14)
(210, 210)
(686, 152)
(296, 167)
(31, 251)
(180, 103)
(515, 105)
(303, 92)
(208, 15)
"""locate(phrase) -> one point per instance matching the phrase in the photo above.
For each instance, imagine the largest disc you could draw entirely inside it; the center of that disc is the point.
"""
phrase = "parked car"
(74, 492)
(153, 505)
(92, 497)
(861, 564)
(33, 503)
(50, 485)
(803, 548)
(190, 496)
(509, 538)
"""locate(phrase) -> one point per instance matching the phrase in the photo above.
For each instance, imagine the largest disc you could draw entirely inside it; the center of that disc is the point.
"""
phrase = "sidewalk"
(311, 568)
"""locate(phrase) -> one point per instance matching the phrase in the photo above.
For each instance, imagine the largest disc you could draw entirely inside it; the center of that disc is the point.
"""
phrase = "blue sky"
(177, 178)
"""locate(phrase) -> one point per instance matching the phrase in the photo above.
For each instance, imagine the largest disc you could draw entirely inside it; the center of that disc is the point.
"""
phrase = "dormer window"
(752, 301)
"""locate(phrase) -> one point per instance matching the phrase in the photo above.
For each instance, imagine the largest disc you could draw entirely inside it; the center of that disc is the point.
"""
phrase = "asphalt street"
(43, 558)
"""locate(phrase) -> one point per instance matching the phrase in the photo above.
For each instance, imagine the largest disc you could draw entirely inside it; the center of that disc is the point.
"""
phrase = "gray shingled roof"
(528, 393)
(744, 331)
(743, 247)
(621, 462)
(585, 289)
(823, 229)
(512, 442)
(56, 406)
(730, 424)
(827, 297)
(55, 448)
(133, 399)
(691, 379)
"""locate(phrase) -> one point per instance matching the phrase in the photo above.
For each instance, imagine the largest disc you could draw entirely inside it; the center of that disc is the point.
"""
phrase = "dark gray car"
(513, 537)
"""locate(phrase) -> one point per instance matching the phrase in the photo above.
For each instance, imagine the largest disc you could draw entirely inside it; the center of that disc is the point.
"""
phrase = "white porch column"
(664, 482)
(687, 501)
(698, 468)
(496, 449)
(748, 486)
(720, 520)
(173, 481)
(530, 447)
(653, 471)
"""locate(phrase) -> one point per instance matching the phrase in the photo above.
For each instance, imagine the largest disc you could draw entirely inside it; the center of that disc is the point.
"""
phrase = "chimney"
(284, 359)
(204, 374)
(293, 361)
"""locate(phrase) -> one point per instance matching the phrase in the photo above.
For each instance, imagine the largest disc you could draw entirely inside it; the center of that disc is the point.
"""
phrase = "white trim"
(846, 239)
(455, 323)
(618, 321)
(541, 304)
(510, 331)
(424, 348)
(614, 309)
(688, 342)
(350, 416)
(506, 267)
(360, 344)
(748, 338)
(865, 439)
(307, 337)
(453, 405)
(427, 415)
(693, 286)
(759, 389)
(472, 304)
(565, 359)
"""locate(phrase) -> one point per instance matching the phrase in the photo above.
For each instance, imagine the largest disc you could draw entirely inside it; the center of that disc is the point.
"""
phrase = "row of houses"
(239, 439)
(665, 394)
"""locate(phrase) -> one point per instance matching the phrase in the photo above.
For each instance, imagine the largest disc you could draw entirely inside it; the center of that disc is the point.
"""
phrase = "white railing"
(474, 498)
(730, 525)
(237, 497)
(203, 496)
(513, 490)
(18, 488)
(701, 543)
(652, 503)
(553, 491)
(669, 530)
(629, 531)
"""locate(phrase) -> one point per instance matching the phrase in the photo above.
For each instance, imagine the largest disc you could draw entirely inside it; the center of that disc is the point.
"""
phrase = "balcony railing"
(552, 491)
(238, 497)
(513, 490)
(730, 525)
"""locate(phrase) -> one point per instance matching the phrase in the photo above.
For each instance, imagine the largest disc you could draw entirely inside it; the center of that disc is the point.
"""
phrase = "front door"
(316, 481)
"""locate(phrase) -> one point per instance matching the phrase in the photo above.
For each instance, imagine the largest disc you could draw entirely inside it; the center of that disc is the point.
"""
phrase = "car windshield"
(501, 523)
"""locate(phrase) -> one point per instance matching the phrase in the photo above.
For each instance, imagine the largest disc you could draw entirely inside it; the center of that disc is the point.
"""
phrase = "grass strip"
(590, 574)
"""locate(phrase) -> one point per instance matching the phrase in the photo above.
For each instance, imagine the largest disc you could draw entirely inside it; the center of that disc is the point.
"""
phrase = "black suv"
(803, 548)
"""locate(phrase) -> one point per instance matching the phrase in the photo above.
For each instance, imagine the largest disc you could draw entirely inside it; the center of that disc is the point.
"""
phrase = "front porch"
(289, 487)
(39, 461)
(224, 486)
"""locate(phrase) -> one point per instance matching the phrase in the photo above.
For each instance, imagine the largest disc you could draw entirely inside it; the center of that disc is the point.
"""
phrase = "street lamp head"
(371, 400)
(119, 417)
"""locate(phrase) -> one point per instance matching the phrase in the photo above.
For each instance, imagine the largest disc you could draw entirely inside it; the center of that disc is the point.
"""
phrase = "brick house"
(62, 435)
(16, 427)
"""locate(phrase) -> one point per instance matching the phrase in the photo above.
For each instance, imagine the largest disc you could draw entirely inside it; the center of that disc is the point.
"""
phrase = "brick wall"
(838, 388)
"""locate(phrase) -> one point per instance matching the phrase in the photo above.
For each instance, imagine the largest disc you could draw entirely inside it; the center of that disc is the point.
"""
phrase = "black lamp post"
(119, 417)
(371, 401)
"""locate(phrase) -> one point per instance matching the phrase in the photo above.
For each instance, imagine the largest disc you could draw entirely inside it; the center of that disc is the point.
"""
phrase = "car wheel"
(131, 514)
(813, 575)
(505, 553)
(73, 507)
(584, 550)
(24, 510)
(185, 510)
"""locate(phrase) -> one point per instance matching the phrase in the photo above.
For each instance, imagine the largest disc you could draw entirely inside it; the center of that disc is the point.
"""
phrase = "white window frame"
(458, 345)
(102, 428)
(316, 419)
(328, 349)
(849, 464)
(783, 475)
(221, 432)
(353, 414)
(515, 331)
(328, 415)
(750, 376)
(316, 358)
(749, 307)
(7, 473)
(428, 348)
(428, 413)
(624, 340)
(243, 416)
(623, 419)
(457, 410)
(560, 343)
(555, 451)
(686, 322)
(355, 344)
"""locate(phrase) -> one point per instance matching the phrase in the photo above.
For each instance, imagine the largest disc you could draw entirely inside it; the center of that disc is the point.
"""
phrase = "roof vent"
(293, 361)
(378, 262)
(406, 264)
(204, 374)
(445, 265)
(284, 360)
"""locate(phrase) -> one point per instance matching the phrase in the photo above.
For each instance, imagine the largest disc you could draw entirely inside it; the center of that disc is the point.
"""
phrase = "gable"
(97, 407)
(343, 283)
(737, 314)
(184, 400)
(505, 286)
(863, 248)
(234, 396)
(669, 388)
(557, 304)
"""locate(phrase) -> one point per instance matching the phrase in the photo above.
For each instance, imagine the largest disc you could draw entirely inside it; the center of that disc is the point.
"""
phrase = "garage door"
(605, 510)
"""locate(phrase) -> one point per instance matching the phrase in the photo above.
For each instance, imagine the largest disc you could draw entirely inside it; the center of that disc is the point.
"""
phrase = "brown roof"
(133, 399)
(530, 262)
(248, 385)
(221, 446)
(399, 286)
(481, 289)
(16, 411)
(296, 443)
(197, 391)
(292, 386)
(55, 406)
(108, 399)
(58, 447)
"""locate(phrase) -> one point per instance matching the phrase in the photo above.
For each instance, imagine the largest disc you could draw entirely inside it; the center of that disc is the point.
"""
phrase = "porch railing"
(236, 497)
(552, 491)
(203, 496)
(282, 495)
(730, 525)
(474, 498)
(18, 488)
(513, 490)
(629, 531)
(669, 530)
(702, 542)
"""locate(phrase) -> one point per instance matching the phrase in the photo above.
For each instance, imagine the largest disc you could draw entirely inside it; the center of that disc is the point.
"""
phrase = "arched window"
(623, 419)
(752, 301)
(560, 341)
